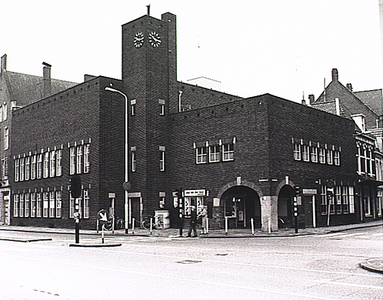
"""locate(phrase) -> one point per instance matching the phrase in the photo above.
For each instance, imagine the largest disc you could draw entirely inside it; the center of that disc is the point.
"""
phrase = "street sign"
(112, 195)
(102, 216)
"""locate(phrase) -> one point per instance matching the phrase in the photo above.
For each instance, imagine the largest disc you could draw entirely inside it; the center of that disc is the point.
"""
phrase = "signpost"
(102, 218)
(75, 191)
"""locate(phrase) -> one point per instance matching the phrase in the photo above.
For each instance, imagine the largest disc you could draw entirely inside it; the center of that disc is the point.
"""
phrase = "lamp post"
(126, 183)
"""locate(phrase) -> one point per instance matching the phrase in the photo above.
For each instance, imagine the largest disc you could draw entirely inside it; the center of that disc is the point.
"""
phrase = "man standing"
(193, 222)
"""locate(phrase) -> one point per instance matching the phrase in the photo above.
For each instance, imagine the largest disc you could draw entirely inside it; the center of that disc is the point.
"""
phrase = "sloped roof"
(26, 89)
(373, 99)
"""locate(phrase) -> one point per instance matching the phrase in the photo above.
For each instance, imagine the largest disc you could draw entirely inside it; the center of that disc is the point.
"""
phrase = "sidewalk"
(372, 264)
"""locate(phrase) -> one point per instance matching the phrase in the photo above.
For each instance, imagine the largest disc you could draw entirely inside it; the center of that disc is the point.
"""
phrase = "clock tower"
(149, 73)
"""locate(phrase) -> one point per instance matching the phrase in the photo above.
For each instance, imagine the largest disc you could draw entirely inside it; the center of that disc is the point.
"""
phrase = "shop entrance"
(285, 201)
(240, 205)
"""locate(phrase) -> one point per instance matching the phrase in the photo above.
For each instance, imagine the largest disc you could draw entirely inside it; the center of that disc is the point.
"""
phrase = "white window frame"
(314, 154)
(133, 155)
(27, 168)
(22, 168)
(21, 214)
(297, 151)
(214, 153)
(72, 160)
(27, 205)
(59, 154)
(6, 138)
(86, 214)
(228, 152)
(39, 166)
(46, 165)
(38, 205)
(201, 155)
(52, 204)
(79, 164)
(337, 157)
(58, 204)
(52, 163)
(33, 205)
(322, 155)
(17, 169)
(162, 158)
(45, 204)
(306, 153)
(86, 158)
(16, 205)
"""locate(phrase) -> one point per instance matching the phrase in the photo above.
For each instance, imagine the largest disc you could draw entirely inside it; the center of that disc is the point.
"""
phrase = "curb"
(24, 240)
(96, 245)
(373, 265)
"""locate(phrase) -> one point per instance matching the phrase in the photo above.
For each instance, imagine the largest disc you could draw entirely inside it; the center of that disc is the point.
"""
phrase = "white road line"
(350, 284)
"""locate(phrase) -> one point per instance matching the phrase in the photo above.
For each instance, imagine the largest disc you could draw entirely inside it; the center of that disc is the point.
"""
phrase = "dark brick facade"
(255, 179)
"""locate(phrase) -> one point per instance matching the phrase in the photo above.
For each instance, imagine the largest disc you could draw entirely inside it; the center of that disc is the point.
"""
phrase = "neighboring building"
(242, 158)
(365, 108)
(18, 90)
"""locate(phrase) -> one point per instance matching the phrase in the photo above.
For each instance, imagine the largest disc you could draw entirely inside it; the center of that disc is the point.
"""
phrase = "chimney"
(47, 88)
(349, 86)
(148, 9)
(335, 74)
(3, 66)
(311, 99)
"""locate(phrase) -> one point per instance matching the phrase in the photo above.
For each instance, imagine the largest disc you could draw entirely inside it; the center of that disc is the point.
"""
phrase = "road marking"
(351, 284)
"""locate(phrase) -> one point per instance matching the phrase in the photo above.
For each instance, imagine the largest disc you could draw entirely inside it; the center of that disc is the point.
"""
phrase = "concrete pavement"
(372, 264)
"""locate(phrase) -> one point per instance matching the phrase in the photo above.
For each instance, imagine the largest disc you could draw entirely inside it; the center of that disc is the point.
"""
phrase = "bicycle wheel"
(146, 223)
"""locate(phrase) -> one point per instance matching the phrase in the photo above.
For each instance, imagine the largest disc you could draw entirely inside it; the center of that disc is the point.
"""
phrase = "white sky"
(282, 47)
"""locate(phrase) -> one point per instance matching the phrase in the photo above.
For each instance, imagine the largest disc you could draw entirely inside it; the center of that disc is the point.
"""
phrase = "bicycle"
(148, 222)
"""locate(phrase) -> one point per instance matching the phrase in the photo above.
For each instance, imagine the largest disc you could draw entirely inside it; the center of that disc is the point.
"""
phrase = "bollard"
(102, 233)
(252, 226)
(207, 225)
(151, 225)
(226, 225)
(133, 221)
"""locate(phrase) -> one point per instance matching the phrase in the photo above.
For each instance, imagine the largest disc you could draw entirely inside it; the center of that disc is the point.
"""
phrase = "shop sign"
(309, 191)
(194, 193)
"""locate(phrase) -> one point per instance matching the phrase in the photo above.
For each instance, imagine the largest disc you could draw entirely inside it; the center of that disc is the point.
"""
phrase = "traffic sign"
(126, 185)
(102, 216)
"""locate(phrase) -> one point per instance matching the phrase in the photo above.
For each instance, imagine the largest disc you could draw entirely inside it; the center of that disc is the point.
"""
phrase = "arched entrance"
(285, 202)
(240, 205)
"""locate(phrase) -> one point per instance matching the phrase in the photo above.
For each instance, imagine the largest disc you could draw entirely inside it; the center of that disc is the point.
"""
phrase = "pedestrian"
(193, 222)
(203, 217)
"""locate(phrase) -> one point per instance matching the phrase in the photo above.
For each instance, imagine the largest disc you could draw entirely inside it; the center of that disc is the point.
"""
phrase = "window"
(162, 107)
(4, 167)
(21, 205)
(162, 158)
(314, 154)
(72, 161)
(329, 156)
(6, 138)
(306, 153)
(33, 167)
(5, 111)
(38, 205)
(337, 158)
(52, 202)
(134, 160)
(45, 204)
(322, 155)
(79, 160)
(86, 204)
(214, 153)
(27, 202)
(39, 169)
(33, 205)
(59, 154)
(201, 156)
(27, 167)
(297, 151)
(338, 199)
(345, 200)
(46, 165)
(22, 160)
(17, 169)
(58, 203)
(16, 205)
(133, 107)
(52, 163)
(86, 158)
(228, 152)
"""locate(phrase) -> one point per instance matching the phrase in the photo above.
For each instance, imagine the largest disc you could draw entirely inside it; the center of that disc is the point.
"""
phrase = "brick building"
(241, 158)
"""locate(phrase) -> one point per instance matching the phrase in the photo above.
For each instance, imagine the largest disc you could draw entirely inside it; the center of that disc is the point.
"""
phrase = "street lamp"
(126, 183)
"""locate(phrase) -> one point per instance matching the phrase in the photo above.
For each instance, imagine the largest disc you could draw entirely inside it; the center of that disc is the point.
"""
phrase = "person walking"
(203, 216)
(193, 222)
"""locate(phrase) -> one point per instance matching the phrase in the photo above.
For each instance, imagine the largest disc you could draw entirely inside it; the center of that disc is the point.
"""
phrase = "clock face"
(138, 39)
(154, 39)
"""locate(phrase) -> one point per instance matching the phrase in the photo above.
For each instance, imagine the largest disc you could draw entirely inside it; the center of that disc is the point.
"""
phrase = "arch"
(245, 183)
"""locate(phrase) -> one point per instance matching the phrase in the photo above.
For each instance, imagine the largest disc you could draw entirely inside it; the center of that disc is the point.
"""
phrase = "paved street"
(321, 266)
